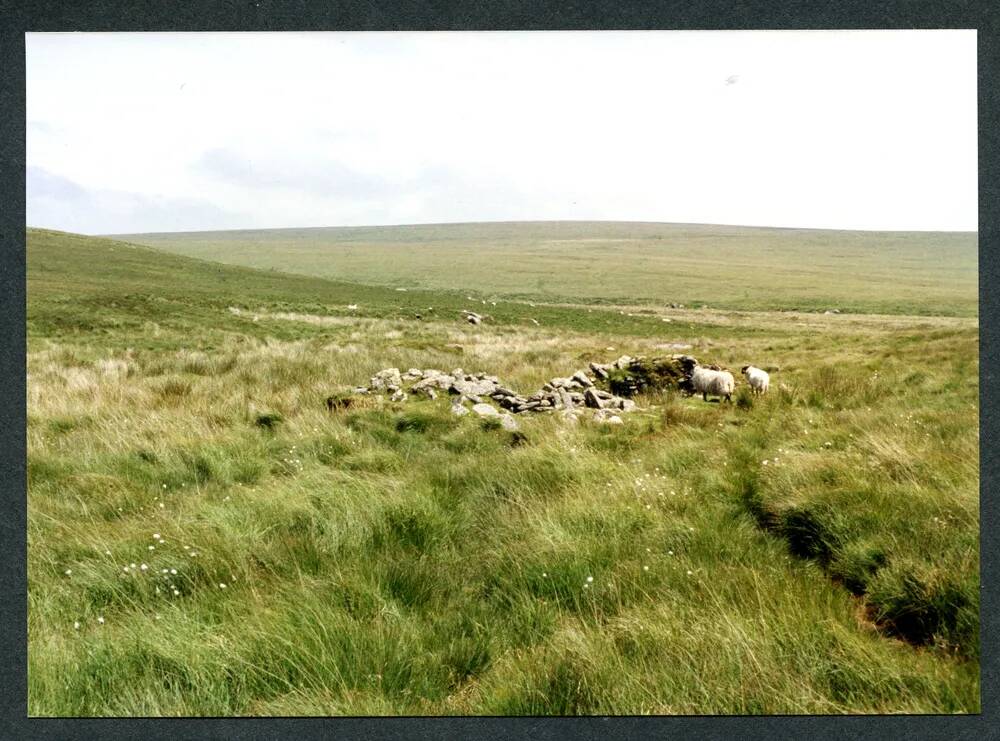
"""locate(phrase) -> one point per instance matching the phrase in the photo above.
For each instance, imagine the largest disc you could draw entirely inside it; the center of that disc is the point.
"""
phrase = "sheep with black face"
(707, 380)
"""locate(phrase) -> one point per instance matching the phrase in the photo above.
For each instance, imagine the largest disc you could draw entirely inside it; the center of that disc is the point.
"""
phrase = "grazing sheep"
(706, 380)
(757, 378)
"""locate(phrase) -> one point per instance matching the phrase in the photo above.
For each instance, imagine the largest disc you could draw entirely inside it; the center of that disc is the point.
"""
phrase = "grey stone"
(473, 388)
(508, 422)
(601, 369)
(440, 381)
(398, 396)
(386, 379)
(581, 378)
(458, 410)
(485, 410)
(591, 399)
(569, 416)
(607, 416)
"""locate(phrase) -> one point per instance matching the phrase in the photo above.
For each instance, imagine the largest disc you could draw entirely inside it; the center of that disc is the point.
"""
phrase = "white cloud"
(836, 129)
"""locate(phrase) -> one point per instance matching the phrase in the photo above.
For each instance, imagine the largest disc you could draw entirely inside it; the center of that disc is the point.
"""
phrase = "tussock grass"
(395, 559)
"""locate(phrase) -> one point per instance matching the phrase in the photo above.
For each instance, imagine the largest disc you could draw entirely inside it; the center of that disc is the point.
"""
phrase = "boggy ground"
(811, 551)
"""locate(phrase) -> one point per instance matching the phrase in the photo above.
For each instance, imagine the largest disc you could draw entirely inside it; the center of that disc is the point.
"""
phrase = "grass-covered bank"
(396, 559)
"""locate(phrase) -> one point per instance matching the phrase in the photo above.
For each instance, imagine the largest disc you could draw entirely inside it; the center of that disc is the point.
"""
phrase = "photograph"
(502, 373)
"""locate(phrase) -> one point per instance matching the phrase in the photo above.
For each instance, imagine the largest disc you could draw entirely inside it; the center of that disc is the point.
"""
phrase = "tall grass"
(813, 551)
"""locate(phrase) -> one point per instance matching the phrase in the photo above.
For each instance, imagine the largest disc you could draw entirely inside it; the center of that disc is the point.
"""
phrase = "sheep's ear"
(744, 369)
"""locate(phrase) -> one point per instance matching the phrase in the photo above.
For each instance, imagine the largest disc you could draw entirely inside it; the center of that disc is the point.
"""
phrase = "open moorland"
(206, 537)
(730, 267)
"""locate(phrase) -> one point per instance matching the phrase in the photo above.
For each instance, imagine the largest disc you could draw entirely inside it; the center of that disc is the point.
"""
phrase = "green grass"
(395, 559)
(748, 268)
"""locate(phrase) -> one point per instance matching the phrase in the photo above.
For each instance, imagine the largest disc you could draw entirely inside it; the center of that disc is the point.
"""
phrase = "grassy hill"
(814, 550)
(731, 267)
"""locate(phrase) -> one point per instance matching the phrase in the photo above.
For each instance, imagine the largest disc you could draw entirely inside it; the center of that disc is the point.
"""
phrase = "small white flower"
(176, 592)
(107, 553)
(544, 574)
(69, 571)
(645, 568)
(164, 486)
(161, 505)
(586, 586)
(151, 547)
(131, 565)
(144, 567)
(125, 569)
(670, 553)
(764, 462)
(173, 571)
(76, 625)
(690, 572)
(222, 585)
(590, 579)
(156, 536)
(100, 619)
(187, 547)
(165, 571)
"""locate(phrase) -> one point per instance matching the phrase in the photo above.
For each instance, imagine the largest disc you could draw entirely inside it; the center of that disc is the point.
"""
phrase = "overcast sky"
(167, 132)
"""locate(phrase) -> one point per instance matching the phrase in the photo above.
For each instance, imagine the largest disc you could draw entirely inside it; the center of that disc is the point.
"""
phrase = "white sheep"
(757, 378)
(716, 382)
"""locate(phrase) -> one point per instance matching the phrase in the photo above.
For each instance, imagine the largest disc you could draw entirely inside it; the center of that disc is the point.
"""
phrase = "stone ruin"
(622, 378)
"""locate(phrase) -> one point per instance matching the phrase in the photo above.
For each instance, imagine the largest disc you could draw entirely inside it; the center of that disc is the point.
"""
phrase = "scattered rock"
(508, 422)
(385, 379)
(599, 370)
(607, 416)
(591, 399)
(470, 386)
(568, 415)
(625, 377)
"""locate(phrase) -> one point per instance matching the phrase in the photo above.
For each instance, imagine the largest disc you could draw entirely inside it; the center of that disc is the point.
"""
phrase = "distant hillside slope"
(94, 287)
(616, 262)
